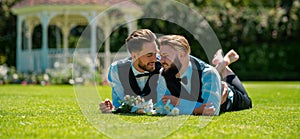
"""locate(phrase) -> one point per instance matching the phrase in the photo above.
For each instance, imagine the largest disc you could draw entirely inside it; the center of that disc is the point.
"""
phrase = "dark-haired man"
(137, 74)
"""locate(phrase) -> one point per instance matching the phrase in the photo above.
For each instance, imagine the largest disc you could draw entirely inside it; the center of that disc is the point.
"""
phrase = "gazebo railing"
(31, 60)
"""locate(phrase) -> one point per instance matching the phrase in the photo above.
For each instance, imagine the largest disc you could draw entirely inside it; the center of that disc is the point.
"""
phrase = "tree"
(7, 33)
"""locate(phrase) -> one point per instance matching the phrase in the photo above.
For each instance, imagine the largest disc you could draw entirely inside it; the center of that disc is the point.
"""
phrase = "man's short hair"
(135, 40)
(177, 42)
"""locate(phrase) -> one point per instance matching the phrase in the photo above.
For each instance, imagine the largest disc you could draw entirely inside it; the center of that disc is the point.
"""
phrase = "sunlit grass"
(53, 112)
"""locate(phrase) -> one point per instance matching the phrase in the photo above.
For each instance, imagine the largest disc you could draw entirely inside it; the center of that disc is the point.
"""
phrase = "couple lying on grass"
(162, 72)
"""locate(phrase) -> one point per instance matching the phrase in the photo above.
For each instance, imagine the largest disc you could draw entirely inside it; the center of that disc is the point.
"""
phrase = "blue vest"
(176, 88)
(130, 85)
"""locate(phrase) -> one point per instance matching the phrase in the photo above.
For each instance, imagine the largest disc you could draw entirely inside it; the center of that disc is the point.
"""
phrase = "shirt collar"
(135, 72)
(188, 71)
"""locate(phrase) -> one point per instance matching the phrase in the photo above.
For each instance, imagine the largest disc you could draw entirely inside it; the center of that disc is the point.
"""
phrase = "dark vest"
(130, 84)
(176, 88)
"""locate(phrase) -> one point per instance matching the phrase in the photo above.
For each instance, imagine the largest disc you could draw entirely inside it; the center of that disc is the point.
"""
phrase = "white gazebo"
(66, 14)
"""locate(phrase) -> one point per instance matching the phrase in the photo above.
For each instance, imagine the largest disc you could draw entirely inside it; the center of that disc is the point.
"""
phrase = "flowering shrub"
(138, 105)
(60, 74)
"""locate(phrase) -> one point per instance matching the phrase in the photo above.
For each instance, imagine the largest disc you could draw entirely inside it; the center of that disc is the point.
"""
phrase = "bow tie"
(183, 80)
(142, 75)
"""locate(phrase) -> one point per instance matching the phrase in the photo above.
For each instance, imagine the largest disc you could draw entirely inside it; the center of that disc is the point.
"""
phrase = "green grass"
(55, 112)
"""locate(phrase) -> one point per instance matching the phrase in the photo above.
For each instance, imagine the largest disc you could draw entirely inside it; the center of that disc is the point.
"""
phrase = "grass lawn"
(58, 112)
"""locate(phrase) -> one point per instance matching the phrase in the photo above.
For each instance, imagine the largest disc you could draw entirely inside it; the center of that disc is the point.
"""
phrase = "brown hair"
(177, 42)
(135, 40)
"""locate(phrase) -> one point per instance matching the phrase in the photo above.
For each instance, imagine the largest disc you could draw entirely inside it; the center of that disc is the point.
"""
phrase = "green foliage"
(53, 112)
(248, 22)
(7, 32)
(264, 33)
(124, 108)
(268, 62)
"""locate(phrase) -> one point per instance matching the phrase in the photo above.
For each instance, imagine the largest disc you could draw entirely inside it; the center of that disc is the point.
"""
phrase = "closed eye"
(150, 54)
(163, 55)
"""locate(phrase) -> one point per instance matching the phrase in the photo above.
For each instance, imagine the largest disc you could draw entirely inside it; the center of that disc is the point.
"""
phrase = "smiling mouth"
(152, 64)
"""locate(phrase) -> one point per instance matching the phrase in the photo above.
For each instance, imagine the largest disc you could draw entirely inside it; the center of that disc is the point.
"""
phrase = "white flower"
(15, 76)
(174, 112)
(3, 70)
(127, 97)
(148, 106)
(46, 77)
(138, 98)
(56, 64)
(71, 81)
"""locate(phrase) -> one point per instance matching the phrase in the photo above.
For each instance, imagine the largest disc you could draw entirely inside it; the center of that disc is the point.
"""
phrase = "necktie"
(141, 75)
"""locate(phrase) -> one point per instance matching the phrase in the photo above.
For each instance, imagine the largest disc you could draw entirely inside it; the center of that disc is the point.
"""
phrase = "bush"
(58, 75)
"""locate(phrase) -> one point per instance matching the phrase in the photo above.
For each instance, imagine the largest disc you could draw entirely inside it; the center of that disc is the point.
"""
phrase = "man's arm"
(116, 86)
(211, 88)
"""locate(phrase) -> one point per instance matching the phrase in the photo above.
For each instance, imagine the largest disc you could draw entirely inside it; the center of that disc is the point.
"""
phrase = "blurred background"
(265, 33)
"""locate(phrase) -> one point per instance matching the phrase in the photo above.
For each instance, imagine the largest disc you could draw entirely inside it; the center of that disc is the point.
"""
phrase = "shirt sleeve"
(162, 88)
(117, 88)
(186, 107)
(211, 88)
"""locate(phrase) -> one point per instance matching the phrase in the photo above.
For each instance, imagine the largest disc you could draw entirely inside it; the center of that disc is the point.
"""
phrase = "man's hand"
(106, 106)
(224, 92)
(173, 100)
(205, 109)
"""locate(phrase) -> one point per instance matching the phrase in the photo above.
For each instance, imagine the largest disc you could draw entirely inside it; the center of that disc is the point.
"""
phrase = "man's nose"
(162, 60)
(153, 57)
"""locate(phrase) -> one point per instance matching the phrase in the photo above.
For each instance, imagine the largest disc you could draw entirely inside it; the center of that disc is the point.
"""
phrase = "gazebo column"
(65, 26)
(93, 43)
(29, 36)
(131, 24)
(19, 43)
(66, 33)
(44, 55)
(107, 30)
(58, 38)
(93, 49)
(29, 30)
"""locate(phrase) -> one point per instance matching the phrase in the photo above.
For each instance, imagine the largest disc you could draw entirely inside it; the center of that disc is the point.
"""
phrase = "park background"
(265, 33)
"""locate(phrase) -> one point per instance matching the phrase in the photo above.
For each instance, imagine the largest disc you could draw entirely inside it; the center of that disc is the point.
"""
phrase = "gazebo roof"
(28, 3)
(36, 6)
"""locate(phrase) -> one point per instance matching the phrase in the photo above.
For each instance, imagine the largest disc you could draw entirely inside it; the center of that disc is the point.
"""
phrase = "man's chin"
(151, 69)
(166, 69)
(170, 72)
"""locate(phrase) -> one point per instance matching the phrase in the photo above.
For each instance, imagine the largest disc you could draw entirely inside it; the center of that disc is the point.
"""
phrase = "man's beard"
(171, 72)
(144, 66)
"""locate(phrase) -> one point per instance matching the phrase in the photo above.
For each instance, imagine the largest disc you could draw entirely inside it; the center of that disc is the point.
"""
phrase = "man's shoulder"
(209, 73)
(122, 62)
(199, 64)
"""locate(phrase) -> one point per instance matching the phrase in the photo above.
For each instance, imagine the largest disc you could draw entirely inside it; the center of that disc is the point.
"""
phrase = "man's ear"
(133, 56)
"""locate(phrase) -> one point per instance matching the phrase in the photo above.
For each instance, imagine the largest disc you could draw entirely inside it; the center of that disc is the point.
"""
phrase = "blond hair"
(177, 42)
